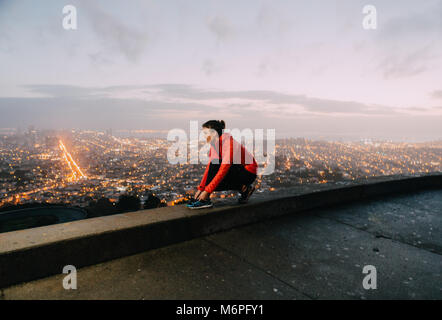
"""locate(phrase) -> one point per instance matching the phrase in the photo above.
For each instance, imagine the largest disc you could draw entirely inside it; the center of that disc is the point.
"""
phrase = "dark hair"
(217, 125)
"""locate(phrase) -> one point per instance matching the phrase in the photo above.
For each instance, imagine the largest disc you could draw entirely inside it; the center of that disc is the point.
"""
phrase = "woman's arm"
(202, 184)
(227, 154)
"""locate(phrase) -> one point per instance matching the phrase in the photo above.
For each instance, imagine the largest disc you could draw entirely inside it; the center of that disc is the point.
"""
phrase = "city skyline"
(83, 166)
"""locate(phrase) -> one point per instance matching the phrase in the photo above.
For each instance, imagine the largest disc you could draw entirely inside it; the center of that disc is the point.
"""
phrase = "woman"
(232, 168)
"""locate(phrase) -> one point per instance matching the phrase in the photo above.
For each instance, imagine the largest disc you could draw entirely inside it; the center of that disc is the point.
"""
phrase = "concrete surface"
(316, 254)
(30, 254)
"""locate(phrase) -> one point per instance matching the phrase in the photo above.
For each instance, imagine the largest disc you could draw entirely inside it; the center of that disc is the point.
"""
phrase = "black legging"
(235, 179)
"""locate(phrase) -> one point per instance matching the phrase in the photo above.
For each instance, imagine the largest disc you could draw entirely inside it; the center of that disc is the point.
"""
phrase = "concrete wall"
(35, 253)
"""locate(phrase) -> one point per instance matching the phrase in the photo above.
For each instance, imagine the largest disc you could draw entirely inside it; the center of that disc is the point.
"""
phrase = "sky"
(304, 68)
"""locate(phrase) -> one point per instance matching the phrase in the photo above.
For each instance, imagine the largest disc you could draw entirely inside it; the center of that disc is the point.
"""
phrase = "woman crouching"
(223, 171)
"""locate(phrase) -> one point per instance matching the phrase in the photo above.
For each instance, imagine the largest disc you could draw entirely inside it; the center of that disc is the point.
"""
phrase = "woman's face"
(210, 134)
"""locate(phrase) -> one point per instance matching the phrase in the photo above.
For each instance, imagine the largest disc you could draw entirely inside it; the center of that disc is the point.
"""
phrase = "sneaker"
(200, 204)
(244, 198)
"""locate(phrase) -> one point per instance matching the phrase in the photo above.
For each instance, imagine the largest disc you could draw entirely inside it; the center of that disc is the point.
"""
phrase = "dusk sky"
(305, 68)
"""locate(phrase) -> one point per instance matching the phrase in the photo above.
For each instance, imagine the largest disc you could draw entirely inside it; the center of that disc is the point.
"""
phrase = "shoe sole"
(201, 207)
(248, 196)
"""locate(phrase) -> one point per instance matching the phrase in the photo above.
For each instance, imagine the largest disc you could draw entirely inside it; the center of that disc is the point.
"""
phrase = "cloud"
(273, 98)
(220, 27)
(209, 67)
(400, 65)
(5, 43)
(418, 109)
(115, 35)
(62, 91)
(161, 105)
(183, 94)
(97, 108)
(410, 42)
(79, 92)
(437, 94)
(70, 112)
(416, 23)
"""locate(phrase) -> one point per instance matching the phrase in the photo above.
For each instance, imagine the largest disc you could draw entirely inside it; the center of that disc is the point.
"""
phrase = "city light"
(38, 167)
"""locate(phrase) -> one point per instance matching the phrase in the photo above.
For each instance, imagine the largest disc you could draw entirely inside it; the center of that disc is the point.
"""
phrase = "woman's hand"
(197, 193)
(203, 196)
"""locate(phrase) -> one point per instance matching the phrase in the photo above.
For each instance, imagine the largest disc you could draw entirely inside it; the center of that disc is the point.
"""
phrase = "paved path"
(318, 254)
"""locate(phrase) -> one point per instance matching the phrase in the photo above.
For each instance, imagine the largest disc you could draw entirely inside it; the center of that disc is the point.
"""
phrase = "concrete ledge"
(35, 253)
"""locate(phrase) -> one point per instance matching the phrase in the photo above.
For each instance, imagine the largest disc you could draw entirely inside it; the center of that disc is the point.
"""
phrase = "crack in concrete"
(378, 235)
(259, 268)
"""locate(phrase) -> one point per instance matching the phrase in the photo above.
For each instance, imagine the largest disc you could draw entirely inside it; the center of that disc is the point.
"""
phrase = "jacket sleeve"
(203, 180)
(226, 162)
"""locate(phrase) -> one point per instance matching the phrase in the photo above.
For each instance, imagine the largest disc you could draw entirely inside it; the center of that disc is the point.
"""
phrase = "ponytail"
(217, 125)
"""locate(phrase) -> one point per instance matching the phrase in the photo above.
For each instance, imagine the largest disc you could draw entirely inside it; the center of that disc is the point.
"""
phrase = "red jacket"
(230, 154)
